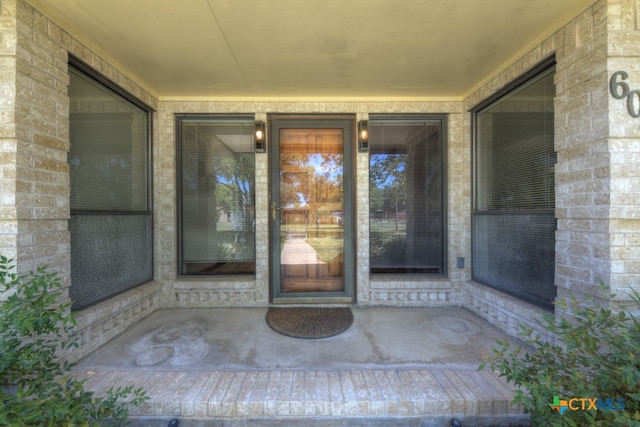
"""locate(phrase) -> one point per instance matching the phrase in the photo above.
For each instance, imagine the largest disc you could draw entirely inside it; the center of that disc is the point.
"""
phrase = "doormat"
(309, 322)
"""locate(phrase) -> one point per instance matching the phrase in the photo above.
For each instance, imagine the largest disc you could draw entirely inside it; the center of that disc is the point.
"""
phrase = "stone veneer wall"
(410, 291)
(34, 174)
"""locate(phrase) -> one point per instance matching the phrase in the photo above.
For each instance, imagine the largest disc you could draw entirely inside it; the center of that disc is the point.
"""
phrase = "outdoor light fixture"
(260, 137)
(363, 136)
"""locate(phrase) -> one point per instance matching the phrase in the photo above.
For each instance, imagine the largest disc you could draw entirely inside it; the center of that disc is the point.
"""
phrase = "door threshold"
(313, 300)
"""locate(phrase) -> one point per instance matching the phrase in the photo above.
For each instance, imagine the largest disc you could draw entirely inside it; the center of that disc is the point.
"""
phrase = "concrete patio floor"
(225, 366)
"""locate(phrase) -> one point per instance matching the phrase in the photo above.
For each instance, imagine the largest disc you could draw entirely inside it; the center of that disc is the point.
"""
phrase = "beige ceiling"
(257, 49)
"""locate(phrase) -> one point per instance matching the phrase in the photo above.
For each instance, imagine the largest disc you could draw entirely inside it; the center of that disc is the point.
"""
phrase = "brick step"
(420, 396)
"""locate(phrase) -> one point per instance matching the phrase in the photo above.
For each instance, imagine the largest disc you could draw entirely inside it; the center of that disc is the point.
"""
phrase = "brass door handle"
(274, 208)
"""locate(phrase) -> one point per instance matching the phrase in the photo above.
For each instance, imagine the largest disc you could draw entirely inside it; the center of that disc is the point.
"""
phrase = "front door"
(311, 210)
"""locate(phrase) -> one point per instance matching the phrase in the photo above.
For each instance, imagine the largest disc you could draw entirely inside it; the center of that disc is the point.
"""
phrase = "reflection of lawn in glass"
(327, 248)
(387, 225)
(294, 228)
(224, 226)
(233, 245)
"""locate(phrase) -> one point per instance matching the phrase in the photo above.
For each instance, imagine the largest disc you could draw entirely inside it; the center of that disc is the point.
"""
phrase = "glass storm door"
(311, 210)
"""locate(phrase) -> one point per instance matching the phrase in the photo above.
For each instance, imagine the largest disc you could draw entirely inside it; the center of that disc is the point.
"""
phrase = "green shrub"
(36, 384)
(596, 356)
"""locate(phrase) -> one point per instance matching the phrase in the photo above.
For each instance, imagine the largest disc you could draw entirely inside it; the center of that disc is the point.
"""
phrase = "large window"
(109, 167)
(513, 219)
(217, 195)
(406, 194)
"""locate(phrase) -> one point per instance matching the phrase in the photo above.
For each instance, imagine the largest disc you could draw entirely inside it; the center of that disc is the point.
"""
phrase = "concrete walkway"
(225, 366)
(296, 251)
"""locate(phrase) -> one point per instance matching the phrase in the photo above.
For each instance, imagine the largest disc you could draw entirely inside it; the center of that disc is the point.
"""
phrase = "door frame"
(347, 122)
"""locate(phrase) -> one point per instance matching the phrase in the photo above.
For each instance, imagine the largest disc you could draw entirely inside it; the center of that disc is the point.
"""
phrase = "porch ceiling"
(308, 48)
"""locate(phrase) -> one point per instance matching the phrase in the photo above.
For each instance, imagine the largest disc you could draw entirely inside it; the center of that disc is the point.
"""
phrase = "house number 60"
(620, 89)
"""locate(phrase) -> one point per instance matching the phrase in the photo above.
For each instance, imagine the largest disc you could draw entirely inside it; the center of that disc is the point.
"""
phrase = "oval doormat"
(309, 322)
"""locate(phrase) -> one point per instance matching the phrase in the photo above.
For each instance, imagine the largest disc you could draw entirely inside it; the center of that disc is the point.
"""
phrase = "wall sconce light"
(363, 136)
(260, 137)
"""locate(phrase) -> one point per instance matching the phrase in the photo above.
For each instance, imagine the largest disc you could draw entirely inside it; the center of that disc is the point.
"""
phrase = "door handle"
(274, 208)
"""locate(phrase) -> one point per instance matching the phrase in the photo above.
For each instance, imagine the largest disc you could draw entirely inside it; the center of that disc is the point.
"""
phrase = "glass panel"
(513, 223)
(516, 157)
(109, 254)
(108, 157)
(217, 177)
(311, 210)
(516, 253)
(111, 223)
(406, 197)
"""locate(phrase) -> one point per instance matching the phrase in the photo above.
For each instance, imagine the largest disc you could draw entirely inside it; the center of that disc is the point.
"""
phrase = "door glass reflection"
(311, 210)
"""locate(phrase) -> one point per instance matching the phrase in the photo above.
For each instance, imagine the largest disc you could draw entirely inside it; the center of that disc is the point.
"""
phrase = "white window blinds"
(513, 219)
(217, 182)
(108, 158)
(406, 173)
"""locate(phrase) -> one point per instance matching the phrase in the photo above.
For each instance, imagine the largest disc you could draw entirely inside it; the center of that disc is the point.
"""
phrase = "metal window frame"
(179, 119)
(444, 122)
(509, 88)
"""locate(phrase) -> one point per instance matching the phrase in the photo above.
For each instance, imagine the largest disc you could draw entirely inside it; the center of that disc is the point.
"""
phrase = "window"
(406, 194)
(217, 195)
(109, 167)
(513, 219)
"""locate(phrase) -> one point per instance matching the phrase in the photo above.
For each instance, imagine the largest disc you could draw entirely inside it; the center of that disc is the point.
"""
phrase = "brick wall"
(8, 137)
(582, 171)
(42, 142)
(623, 54)
(35, 202)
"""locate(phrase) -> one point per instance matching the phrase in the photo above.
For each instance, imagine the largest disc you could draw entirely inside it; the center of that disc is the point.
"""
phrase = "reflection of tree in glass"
(302, 173)
(328, 176)
(294, 180)
(387, 172)
(234, 188)
(330, 166)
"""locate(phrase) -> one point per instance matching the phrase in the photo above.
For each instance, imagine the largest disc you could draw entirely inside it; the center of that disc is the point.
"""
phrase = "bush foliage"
(37, 387)
(596, 356)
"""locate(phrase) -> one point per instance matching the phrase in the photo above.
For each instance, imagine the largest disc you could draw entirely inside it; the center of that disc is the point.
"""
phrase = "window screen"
(111, 222)
(406, 195)
(513, 221)
(217, 195)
